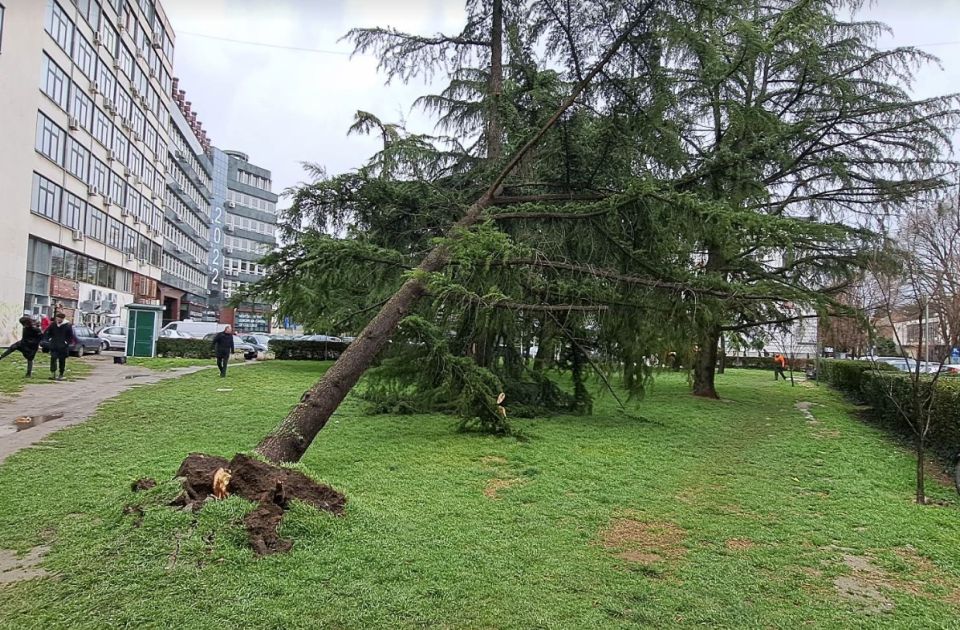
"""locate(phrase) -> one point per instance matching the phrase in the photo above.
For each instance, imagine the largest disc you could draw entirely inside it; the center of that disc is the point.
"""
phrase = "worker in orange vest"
(779, 362)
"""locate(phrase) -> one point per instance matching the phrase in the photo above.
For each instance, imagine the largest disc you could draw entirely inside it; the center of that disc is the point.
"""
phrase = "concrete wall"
(19, 98)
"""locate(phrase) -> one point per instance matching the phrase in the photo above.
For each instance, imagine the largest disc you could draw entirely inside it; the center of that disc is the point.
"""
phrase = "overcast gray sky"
(285, 106)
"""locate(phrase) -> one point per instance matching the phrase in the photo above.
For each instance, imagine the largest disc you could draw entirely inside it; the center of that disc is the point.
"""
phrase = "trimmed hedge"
(865, 384)
(187, 348)
(294, 350)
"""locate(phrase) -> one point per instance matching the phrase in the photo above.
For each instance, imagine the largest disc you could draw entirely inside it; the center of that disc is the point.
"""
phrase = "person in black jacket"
(60, 336)
(223, 346)
(29, 343)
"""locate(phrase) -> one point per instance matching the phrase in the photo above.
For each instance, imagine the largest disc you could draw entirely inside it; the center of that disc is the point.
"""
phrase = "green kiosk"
(143, 327)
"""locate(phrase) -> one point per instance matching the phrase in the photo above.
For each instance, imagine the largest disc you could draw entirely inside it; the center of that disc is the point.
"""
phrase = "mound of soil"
(271, 487)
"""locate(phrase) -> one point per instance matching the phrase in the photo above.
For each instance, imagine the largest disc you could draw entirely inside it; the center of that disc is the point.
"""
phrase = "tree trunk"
(722, 362)
(921, 456)
(494, 132)
(705, 365)
(293, 436)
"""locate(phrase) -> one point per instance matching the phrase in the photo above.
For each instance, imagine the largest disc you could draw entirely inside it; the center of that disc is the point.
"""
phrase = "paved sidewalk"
(72, 402)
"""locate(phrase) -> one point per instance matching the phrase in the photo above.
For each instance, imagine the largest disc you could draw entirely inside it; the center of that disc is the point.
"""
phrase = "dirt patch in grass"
(271, 487)
(644, 542)
(868, 584)
(804, 408)
(17, 569)
(827, 434)
(740, 544)
(694, 494)
(496, 485)
(493, 461)
(928, 573)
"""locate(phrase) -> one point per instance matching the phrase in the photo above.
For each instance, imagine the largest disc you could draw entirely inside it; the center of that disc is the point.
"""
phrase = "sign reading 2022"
(216, 241)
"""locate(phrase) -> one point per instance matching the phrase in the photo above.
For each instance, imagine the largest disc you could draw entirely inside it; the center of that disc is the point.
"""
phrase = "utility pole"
(926, 329)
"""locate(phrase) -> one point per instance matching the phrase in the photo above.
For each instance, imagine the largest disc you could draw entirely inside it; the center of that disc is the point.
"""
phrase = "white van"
(190, 328)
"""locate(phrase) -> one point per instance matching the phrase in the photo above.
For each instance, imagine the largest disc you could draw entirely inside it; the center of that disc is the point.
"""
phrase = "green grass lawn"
(168, 363)
(738, 513)
(14, 367)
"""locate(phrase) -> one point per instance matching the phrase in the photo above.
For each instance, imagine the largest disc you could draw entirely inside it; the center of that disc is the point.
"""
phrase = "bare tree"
(932, 235)
(913, 395)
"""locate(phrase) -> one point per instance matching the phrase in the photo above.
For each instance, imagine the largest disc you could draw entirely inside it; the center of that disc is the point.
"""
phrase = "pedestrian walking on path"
(29, 343)
(223, 347)
(60, 336)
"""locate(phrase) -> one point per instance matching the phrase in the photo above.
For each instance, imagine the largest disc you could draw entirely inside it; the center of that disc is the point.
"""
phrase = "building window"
(114, 234)
(129, 241)
(117, 189)
(85, 57)
(45, 199)
(96, 224)
(98, 175)
(55, 84)
(102, 127)
(50, 139)
(123, 104)
(82, 109)
(126, 60)
(106, 82)
(78, 161)
(73, 208)
(109, 38)
(150, 138)
(60, 27)
(90, 11)
(135, 161)
(133, 202)
(120, 146)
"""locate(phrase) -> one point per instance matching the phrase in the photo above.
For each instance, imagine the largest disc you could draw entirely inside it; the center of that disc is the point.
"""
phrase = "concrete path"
(59, 405)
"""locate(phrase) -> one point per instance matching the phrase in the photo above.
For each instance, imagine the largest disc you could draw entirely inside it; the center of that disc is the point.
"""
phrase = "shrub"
(886, 390)
(306, 350)
(187, 348)
(847, 376)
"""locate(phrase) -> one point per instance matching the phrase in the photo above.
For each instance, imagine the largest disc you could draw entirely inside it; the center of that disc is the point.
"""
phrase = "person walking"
(779, 362)
(28, 344)
(223, 347)
(60, 336)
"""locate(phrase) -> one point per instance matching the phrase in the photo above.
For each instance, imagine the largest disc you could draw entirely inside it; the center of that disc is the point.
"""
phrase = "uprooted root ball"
(271, 487)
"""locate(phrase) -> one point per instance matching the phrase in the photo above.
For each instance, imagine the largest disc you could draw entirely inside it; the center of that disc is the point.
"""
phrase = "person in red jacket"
(779, 363)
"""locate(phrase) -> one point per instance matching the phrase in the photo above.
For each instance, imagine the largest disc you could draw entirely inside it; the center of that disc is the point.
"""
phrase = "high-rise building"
(249, 229)
(183, 284)
(84, 115)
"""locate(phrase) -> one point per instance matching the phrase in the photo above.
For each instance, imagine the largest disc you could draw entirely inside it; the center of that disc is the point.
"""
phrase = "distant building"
(249, 224)
(84, 94)
(183, 289)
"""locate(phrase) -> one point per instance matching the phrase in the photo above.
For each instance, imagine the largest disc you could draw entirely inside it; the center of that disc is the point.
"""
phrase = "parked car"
(85, 340)
(113, 338)
(196, 330)
(318, 338)
(259, 341)
(239, 345)
(170, 333)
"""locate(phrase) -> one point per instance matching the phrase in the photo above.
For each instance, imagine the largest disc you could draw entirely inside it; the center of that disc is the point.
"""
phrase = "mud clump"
(143, 484)
(271, 487)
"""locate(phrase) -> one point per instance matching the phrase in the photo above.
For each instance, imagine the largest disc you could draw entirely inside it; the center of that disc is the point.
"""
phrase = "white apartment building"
(85, 91)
